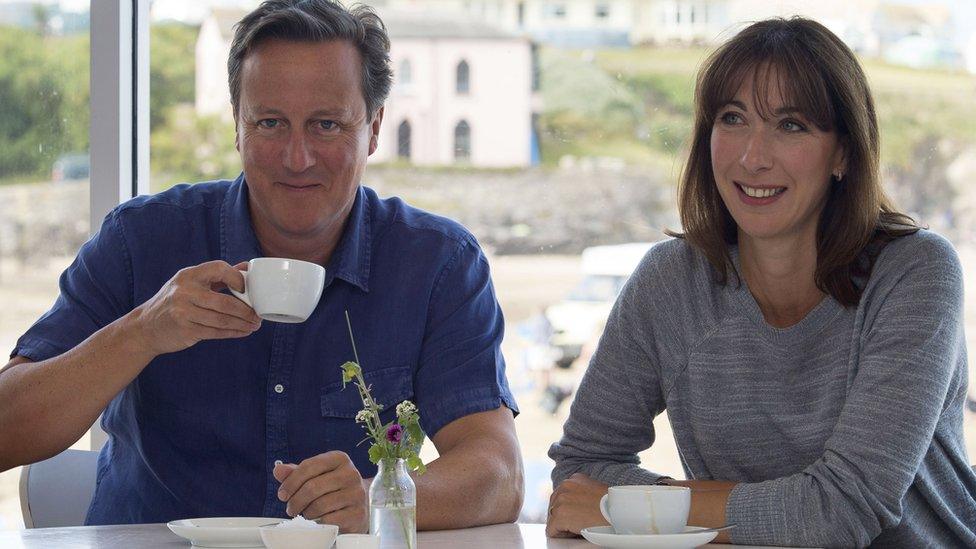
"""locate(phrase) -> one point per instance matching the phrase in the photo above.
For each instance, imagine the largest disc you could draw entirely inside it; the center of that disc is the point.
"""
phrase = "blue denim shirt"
(197, 433)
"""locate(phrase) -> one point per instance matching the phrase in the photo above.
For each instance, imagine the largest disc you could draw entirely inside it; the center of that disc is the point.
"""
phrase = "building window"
(403, 140)
(462, 141)
(555, 10)
(463, 78)
(406, 74)
(602, 10)
(691, 15)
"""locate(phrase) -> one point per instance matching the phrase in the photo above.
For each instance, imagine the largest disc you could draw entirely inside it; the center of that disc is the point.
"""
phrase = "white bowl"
(321, 536)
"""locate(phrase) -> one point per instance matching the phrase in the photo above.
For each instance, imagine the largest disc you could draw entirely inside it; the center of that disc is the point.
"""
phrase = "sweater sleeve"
(610, 420)
(910, 346)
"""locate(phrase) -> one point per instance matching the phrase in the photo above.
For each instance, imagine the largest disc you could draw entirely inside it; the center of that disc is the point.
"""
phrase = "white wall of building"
(212, 92)
(497, 107)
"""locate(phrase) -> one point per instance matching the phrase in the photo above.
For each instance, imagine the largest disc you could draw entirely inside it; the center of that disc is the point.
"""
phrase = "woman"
(805, 338)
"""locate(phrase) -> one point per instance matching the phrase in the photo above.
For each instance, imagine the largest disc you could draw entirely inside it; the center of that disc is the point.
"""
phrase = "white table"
(500, 536)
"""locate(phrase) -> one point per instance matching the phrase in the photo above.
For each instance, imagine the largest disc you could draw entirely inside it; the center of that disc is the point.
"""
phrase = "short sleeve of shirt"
(95, 290)
(462, 370)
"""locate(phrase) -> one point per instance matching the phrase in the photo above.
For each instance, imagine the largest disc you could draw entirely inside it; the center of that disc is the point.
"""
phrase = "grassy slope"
(636, 104)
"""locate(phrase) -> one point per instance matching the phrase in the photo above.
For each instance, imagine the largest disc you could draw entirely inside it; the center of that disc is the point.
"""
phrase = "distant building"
(710, 22)
(594, 23)
(212, 95)
(463, 93)
(463, 90)
(917, 36)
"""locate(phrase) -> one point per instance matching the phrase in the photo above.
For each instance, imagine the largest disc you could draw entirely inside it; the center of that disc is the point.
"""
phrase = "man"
(212, 412)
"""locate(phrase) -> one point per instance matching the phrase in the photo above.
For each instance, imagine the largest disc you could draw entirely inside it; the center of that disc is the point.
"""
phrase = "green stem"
(398, 500)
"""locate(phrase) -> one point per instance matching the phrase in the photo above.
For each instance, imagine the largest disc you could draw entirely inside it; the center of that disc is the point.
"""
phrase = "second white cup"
(643, 510)
(282, 290)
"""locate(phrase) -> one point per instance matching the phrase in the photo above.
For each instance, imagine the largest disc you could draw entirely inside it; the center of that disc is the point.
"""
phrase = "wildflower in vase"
(394, 433)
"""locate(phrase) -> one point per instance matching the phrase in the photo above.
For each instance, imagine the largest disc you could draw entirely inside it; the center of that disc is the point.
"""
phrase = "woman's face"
(772, 173)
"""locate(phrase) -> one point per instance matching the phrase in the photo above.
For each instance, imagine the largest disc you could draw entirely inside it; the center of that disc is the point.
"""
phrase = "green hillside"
(636, 104)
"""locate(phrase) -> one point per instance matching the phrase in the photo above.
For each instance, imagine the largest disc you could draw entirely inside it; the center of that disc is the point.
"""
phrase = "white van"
(576, 318)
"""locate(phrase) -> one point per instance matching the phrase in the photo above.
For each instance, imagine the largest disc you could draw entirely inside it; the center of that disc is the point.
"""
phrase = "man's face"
(304, 135)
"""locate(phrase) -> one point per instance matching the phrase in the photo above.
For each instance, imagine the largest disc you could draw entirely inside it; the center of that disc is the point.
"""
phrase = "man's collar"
(350, 260)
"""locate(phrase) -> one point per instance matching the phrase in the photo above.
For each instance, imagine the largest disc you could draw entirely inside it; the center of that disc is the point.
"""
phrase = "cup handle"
(242, 295)
(603, 508)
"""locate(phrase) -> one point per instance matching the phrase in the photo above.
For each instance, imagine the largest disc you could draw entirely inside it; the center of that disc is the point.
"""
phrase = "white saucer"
(604, 536)
(222, 531)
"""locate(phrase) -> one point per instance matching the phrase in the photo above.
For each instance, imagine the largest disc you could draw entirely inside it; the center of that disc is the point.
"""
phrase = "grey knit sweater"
(843, 430)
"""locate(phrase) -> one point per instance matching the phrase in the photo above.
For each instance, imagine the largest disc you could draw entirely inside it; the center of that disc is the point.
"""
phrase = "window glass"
(555, 11)
(462, 141)
(588, 157)
(403, 140)
(44, 168)
(463, 78)
(404, 77)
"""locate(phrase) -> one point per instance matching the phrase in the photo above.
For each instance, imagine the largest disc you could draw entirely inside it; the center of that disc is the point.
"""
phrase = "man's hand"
(574, 505)
(190, 308)
(328, 487)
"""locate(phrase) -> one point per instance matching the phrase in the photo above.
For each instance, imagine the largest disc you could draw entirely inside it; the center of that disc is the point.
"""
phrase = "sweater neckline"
(810, 325)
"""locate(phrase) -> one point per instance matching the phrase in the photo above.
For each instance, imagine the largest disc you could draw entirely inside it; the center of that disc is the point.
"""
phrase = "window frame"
(119, 103)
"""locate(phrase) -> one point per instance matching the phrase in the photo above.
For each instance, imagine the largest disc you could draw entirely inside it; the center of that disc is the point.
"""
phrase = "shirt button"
(279, 388)
(278, 462)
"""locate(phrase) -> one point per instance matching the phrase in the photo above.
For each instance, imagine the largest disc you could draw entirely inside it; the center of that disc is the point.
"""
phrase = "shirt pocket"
(389, 387)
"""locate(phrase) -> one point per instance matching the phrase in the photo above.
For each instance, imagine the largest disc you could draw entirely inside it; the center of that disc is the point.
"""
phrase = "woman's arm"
(611, 418)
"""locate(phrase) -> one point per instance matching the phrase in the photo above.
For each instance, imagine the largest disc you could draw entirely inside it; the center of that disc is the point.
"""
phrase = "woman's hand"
(574, 505)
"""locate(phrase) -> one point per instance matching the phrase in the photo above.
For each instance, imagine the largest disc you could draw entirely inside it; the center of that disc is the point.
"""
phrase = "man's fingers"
(225, 304)
(216, 272)
(309, 469)
(282, 470)
(206, 332)
(340, 486)
(328, 503)
(221, 321)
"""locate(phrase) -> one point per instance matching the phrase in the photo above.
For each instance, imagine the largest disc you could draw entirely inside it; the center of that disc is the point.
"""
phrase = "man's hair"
(316, 21)
(817, 73)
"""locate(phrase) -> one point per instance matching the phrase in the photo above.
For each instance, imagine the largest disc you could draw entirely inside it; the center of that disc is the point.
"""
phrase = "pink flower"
(395, 433)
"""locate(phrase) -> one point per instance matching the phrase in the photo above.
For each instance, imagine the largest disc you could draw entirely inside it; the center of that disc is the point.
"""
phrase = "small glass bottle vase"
(393, 506)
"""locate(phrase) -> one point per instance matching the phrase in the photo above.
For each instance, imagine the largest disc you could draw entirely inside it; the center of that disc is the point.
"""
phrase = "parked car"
(575, 319)
(70, 167)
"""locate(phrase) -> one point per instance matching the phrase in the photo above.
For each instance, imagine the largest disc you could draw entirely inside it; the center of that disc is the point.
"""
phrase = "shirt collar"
(349, 262)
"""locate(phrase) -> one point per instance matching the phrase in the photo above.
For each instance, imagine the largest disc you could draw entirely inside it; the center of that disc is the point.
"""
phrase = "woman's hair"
(818, 74)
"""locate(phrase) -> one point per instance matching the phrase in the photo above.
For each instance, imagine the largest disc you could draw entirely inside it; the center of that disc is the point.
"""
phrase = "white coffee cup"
(645, 510)
(282, 290)
(357, 541)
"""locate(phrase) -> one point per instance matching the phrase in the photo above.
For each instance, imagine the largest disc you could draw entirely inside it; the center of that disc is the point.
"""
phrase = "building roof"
(399, 25)
(431, 25)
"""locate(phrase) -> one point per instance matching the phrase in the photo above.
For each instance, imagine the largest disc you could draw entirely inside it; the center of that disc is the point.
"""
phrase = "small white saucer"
(604, 536)
(222, 531)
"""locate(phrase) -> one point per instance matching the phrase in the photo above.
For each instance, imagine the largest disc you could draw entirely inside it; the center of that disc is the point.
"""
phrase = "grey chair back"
(56, 492)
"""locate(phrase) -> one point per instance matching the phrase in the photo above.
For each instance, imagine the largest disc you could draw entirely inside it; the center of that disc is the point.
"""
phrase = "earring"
(838, 176)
